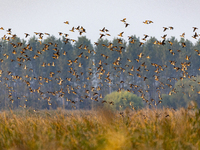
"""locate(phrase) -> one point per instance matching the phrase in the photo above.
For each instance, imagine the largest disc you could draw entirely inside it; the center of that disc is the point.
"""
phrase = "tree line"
(59, 72)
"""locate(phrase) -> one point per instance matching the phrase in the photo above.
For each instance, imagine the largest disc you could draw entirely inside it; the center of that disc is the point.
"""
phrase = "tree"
(123, 99)
(183, 93)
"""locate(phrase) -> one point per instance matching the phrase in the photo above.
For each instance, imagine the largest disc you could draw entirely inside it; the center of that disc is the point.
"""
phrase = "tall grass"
(100, 129)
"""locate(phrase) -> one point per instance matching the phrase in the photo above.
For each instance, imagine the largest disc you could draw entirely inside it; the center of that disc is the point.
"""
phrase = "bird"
(141, 43)
(72, 30)
(150, 21)
(66, 22)
(9, 30)
(60, 33)
(195, 35)
(146, 36)
(194, 29)
(47, 34)
(183, 44)
(120, 35)
(187, 57)
(26, 35)
(101, 35)
(170, 42)
(182, 35)
(146, 22)
(108, 34)
(165, 28)
(123, 20)
(132, 41)
(126, 25)
(164, 36)
(103, 30)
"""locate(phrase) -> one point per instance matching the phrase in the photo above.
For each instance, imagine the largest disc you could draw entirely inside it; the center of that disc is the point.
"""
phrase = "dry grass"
(100, 129)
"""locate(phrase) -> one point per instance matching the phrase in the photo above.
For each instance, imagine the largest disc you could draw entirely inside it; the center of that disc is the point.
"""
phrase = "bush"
(186, 92)
(123, 99)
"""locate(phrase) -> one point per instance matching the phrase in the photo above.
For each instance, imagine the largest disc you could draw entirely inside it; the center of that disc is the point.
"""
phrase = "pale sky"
(29, 16)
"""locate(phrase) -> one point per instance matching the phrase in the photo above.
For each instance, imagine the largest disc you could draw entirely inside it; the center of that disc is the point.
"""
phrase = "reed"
(100, 129)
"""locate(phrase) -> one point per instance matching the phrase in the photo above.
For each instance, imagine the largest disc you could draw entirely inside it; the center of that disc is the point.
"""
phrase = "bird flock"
(92, 93)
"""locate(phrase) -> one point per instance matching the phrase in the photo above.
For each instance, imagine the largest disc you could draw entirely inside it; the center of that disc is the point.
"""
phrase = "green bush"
(186, 91)
(123, 99)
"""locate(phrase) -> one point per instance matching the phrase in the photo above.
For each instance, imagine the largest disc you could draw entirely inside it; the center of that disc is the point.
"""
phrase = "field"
(100, 129)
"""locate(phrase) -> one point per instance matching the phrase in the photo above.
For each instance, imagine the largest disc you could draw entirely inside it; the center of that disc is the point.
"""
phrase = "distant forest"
(52, 72)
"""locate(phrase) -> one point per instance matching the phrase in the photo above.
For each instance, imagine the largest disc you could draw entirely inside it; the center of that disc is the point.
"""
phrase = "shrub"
(123, 99)
(186, 90)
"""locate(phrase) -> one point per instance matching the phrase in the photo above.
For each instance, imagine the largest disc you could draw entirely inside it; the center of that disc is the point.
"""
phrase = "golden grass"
(100, 130)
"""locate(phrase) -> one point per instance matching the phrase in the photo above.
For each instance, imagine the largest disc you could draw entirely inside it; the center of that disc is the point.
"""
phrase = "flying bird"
(194, 29)
(120, 35)
(165, 28)
(66, 22)
(26, 35)
(123, 20)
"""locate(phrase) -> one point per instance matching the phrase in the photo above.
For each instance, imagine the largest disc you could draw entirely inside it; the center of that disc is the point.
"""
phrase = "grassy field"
(100, 129)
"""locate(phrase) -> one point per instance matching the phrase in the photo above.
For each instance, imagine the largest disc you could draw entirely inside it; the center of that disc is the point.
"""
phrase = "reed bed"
(101, 129)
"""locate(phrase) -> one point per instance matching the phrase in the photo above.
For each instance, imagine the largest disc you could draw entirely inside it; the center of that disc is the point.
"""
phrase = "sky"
(29, 16)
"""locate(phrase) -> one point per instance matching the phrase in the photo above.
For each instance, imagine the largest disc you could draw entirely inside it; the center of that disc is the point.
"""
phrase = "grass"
(100, 130)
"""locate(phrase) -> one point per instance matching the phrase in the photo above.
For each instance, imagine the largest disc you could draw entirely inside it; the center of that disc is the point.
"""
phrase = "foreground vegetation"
(100, 129)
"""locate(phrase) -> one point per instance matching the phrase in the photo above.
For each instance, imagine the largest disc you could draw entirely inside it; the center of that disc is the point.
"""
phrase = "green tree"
(123, 99)
(184, 91)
